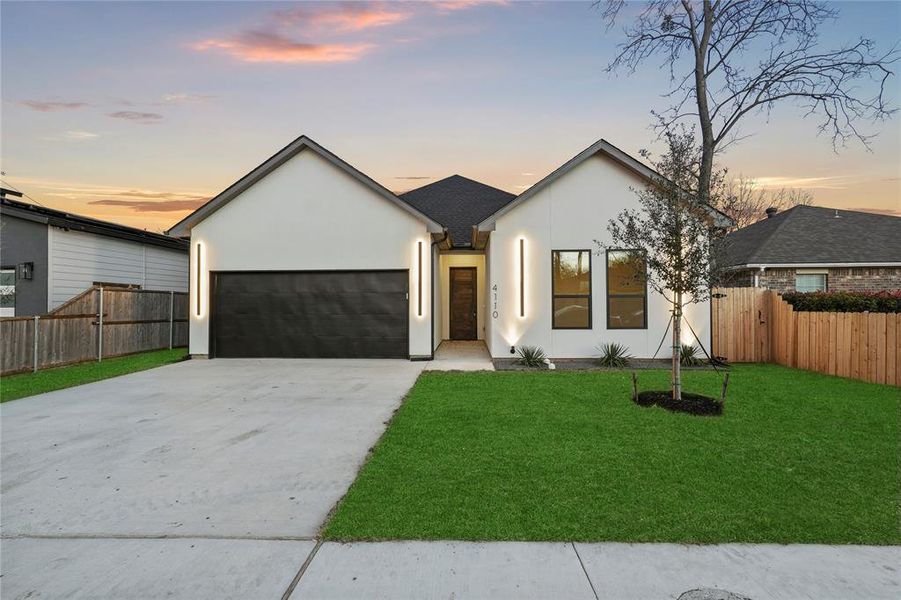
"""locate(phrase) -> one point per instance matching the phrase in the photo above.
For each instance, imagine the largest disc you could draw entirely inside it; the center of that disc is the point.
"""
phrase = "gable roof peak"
(183, 227)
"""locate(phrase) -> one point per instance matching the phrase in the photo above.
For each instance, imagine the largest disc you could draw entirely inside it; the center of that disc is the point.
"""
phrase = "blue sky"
(135, 112)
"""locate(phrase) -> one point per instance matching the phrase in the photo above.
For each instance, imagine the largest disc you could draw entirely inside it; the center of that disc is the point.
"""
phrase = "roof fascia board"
(634, 165)
(819, 265)
(20, 213)
(183, 227)
(61, 220)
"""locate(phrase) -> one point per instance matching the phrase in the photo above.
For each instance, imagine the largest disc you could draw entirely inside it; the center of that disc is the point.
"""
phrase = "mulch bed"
(694, 404)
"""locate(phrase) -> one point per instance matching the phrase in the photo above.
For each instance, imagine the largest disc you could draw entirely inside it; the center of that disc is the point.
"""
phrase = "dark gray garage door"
(310, 314)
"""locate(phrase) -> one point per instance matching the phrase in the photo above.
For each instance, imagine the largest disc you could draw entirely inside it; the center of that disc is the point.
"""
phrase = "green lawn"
(797, 457)
(29, 384)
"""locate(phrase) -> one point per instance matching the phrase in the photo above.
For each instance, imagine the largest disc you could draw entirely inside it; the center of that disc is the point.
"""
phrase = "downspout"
(432, 291)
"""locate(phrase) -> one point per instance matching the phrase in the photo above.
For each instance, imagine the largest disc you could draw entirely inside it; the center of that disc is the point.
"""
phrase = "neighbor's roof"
(606, 148)
(459, 204)
(183, 227)
(64, 220)
(816, 235)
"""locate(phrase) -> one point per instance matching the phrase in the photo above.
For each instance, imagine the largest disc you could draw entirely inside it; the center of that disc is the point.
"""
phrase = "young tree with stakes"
(674, 233)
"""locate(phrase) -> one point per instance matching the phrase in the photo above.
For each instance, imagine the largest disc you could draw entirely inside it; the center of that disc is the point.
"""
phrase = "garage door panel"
(311, 314)
(246, 305)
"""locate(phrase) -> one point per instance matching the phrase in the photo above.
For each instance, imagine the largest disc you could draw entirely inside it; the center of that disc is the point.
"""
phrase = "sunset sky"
(137, 112)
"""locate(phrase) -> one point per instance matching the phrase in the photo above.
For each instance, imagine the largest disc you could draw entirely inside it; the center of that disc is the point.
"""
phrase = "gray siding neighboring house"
(68, 253)
(812, 248)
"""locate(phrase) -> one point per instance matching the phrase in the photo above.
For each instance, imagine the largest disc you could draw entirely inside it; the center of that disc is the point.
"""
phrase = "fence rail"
(757, 325)
(98, 323)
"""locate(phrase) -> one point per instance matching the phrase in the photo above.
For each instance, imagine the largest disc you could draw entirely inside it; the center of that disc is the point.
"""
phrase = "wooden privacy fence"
(99, 323)
(757, 325)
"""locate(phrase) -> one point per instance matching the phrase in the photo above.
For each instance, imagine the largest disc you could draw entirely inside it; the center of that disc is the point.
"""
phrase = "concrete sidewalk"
(526, 570)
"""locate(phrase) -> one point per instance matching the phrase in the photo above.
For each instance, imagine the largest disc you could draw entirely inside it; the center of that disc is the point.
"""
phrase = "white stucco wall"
(309, 215)
(463, 259)
(570, 214)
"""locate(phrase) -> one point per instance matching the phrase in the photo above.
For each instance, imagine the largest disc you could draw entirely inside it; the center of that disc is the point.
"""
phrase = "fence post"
(100, 329)
(171, 316)
(35, 346)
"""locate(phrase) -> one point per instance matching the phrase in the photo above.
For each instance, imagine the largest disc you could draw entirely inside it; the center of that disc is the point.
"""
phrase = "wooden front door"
(463, 315)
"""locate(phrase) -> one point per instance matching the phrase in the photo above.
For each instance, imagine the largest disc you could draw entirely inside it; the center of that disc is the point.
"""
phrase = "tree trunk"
(677, 347)
(705, 172)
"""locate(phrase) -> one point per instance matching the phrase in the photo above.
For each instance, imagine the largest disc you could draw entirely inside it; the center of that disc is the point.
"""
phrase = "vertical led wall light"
(419, 258)
(522, 277)
(197, 283)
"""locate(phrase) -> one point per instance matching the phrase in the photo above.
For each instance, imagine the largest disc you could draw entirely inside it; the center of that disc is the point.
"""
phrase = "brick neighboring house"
(811, 248)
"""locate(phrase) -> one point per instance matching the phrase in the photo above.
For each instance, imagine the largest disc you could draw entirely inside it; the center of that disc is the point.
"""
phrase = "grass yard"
(13, 387)
(796, 457)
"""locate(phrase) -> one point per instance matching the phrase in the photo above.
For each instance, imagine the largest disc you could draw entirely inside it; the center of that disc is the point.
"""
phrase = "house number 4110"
(494, 309)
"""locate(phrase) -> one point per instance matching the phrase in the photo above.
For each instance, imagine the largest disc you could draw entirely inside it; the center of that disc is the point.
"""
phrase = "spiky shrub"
(691, 356)
(614, 355)
(531, 356)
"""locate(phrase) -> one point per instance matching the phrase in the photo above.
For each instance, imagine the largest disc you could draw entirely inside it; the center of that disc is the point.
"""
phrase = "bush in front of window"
(879, 302)
(531, 356)
(614, 355)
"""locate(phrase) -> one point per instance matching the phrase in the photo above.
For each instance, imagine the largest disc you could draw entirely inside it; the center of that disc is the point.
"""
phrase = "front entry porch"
(454, 355)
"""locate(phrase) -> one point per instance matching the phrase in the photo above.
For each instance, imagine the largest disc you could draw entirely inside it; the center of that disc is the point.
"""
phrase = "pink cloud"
(452, 5)
(346, 16)
(51, 106)
(265, 46)
(144, 118)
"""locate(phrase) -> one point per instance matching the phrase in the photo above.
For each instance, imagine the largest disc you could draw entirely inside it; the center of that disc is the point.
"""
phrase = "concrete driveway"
(236, 462)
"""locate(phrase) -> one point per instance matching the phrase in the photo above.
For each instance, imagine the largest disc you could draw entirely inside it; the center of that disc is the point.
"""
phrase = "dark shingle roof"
(64, 220)
(813, 234)
(458, 203)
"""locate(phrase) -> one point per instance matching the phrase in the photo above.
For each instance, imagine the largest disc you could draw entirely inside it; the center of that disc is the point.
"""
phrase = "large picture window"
(571, 289)
(627, 291)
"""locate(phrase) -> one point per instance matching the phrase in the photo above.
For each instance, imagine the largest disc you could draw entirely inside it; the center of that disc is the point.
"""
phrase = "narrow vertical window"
(627, 290)
(571, 289)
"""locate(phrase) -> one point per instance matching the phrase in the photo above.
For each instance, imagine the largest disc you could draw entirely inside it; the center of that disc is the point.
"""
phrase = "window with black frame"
(627, 290)
(571, 289)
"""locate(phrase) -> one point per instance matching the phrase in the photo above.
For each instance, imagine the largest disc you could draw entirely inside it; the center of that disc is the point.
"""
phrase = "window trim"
(607, 290)
(590, 294)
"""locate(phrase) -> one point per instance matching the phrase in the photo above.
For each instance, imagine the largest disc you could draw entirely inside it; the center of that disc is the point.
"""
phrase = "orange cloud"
(264, 46)
(154, 206)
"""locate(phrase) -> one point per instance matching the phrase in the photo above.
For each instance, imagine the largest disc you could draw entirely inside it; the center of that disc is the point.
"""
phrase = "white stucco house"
(306, 256)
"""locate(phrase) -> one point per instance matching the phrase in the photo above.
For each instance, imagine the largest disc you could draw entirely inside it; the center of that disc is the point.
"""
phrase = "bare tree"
(746, 202)
(728, 59)
(674, 235)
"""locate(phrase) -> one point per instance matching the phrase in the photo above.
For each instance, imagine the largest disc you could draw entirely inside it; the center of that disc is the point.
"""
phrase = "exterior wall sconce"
(522, 277)
(197, 281)
(419, 271)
